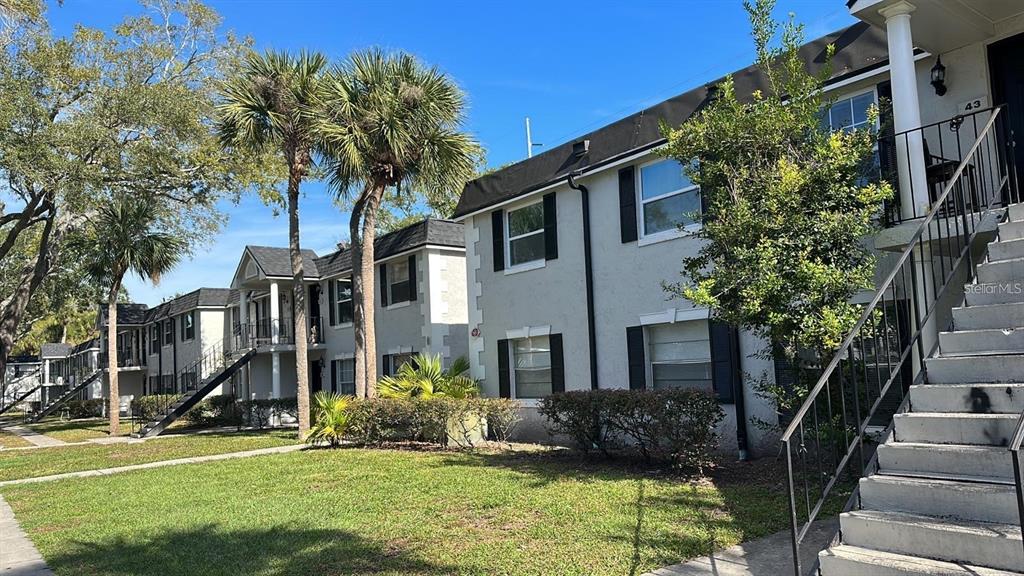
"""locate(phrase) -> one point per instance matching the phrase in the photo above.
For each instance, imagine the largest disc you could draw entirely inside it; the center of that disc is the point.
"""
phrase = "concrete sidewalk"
(37, 439)
(18, 556)
(768, 556)
(159, 464)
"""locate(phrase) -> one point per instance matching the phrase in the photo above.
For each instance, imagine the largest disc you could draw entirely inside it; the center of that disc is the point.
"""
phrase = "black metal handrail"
(884, 353)
(187, 379)
(261, 332)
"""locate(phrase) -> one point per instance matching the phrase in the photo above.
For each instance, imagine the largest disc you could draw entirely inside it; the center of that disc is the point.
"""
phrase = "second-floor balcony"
(265, 332)
(125, 359)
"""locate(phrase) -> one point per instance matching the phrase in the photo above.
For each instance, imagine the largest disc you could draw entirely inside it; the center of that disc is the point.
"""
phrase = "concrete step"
(1012, 230)
(986, 294)
(856, 561)
(973, 398)
(978, 543)
(1016, 213)
(1001, 271)
(989, 317)
(1005, 250)
(946, 461)
(970, 369)
(982, 342)
(946, 498)
(955, 428)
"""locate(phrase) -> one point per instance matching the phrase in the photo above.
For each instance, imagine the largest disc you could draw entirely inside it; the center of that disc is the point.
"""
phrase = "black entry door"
(316, 375)
(1006, 59)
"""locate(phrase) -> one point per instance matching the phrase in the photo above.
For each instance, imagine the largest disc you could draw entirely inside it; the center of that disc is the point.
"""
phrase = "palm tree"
(271, 102)
(389, 122)
(126, 238)
(424, 377)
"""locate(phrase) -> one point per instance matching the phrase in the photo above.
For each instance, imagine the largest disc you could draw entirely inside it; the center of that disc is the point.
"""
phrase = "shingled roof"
(277, 261)
(128, 314)
(54, 350)
(432, 231)
(203, 297)
(859, 48)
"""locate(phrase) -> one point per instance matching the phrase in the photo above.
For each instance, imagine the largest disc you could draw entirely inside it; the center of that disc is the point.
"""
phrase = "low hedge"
(85, 408)
(677, 427)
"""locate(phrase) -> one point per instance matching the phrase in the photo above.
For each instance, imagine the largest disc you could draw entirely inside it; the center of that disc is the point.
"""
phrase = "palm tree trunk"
(358, 316)
(366, 271)
(114, 406)
(298, 287)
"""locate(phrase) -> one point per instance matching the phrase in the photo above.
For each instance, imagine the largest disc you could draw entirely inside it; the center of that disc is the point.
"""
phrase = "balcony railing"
(264, 332)
(938, 149)
(124, 360)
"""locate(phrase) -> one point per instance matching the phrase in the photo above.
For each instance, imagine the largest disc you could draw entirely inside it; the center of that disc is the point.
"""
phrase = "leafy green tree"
(127, 237)
(388, 123)
(786, 203)
(93, 114)
(271, 103)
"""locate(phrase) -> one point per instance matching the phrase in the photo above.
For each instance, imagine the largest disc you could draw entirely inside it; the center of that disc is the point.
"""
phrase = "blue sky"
(571, 67)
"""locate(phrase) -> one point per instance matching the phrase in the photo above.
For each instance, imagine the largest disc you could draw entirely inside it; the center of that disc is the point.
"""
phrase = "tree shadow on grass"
(212, 550)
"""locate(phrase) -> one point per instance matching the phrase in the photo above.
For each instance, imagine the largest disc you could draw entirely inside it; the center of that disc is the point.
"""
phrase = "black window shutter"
(725, 360)
(635, 357)
(412, 277)
(504, 375)
(334, 375)
(332, 301)
(557, 364)
(385, 365)
(550, 227)
(383, 284)
(627, 204)
(498, 239)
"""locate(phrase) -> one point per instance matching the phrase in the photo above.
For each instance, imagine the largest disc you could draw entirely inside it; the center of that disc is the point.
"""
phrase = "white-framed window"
(342, 300)
(531, 372)
(524, 235)
(154, 338)
(188, 325)
(680, 355)
(345, 372)
(168, 332)
(849, 113)
(667, 199)
(397, 360)
(399, 289)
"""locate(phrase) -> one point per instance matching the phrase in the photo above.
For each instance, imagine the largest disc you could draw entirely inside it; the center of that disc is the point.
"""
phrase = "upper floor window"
(531, 361)
(680, 355)
(341, 292)
(188, 325)
(525, 234)
(154, 338)
(849, 113)
(168, 332)
(667, 198)
(399, 289)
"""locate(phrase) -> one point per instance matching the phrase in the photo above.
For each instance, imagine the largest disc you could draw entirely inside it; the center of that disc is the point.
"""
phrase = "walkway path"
(18, 557)
(34, 437)
(768, 556)
(160, 464)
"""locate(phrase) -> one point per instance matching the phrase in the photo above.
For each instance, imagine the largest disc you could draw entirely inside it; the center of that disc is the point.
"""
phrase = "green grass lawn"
(60, 459)
(10, 440)
(393, 513)
(72, 430)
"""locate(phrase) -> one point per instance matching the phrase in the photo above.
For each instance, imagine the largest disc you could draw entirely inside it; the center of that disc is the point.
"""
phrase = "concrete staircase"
(943, 501)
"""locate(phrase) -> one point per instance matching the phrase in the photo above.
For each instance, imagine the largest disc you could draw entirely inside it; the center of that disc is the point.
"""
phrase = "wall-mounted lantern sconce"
(939, 77)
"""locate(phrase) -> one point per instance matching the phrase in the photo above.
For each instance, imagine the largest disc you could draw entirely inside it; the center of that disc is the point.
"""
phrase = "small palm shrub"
(330, 419)
(423, 377)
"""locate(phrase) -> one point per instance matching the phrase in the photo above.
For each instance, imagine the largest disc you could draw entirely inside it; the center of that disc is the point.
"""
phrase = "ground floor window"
(531, 359)
(680, 355)
(395, 361)
(343, 374)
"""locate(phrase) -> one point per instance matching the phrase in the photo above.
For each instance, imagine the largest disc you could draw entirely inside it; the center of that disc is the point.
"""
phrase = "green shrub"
(502, 415)
(423, 377)
(677, 427)
(439, 420)
(85, 408)
(227, 410)
(261, 413)
(147, 408)
(373, 421)
(330, 419)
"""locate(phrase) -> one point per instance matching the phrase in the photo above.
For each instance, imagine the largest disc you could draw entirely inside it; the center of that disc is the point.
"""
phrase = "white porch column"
(275, 372)
(46, 371)
(906, 109)
(275, 313)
